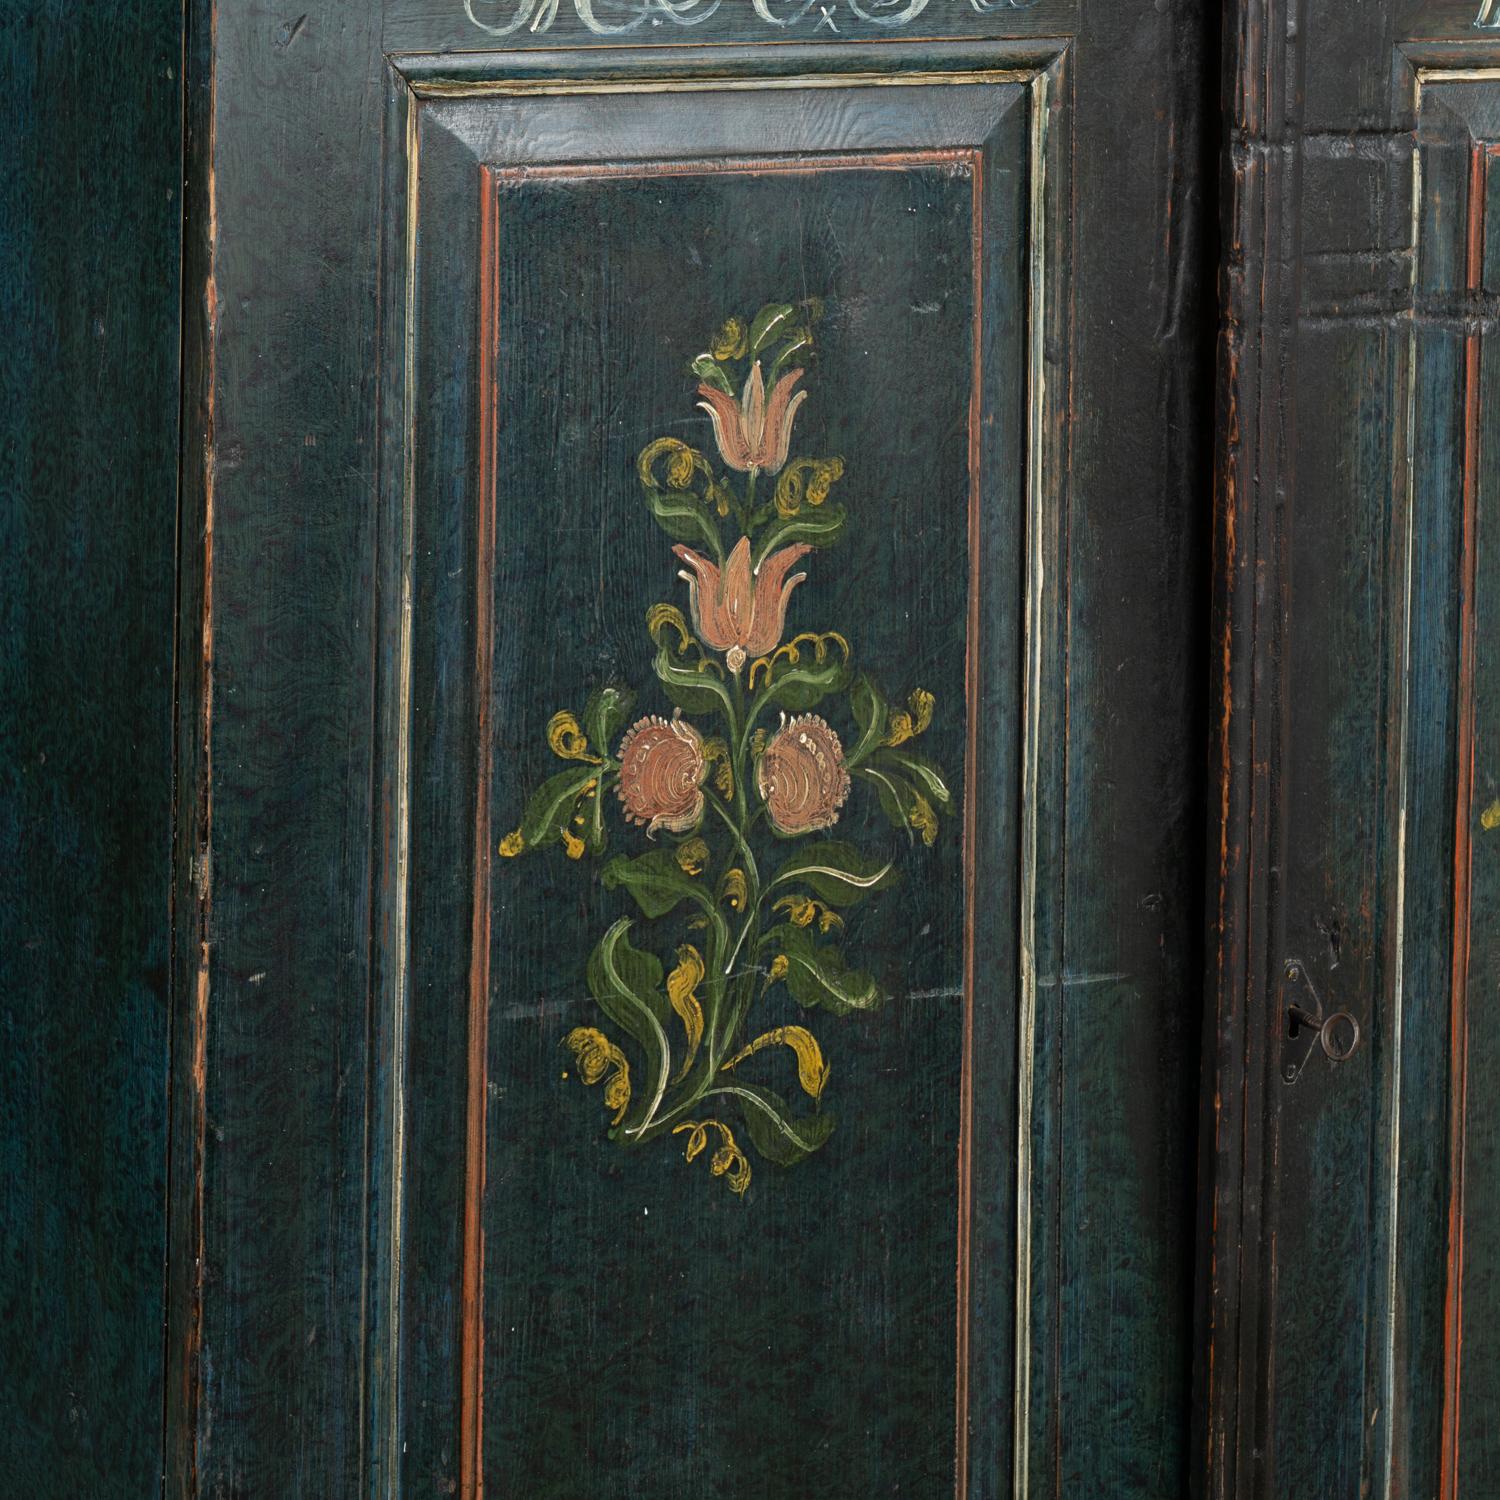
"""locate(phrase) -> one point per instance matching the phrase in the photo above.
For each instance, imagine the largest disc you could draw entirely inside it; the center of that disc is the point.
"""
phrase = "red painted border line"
(471, 1377)
(471, 1355)
(1458, 1041)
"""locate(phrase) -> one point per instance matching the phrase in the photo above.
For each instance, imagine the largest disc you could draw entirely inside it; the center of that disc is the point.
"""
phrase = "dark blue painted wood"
(1354, 762)
(90, 206)
(272, 1182)
(302, 1297)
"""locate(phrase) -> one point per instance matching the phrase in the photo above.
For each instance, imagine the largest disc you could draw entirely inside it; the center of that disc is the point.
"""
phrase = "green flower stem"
(717, 926)
(607, 772)
(740, 1004)
(697, 1084)
(737, 764)
(757, 705)
(736, 696)
(752, 883)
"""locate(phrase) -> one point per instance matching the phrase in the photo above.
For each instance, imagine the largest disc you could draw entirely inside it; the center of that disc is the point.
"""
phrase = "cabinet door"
(1354, 1297)
(695, 751)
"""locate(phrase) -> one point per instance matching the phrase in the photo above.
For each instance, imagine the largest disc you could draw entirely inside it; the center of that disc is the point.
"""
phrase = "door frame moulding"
(417, 81)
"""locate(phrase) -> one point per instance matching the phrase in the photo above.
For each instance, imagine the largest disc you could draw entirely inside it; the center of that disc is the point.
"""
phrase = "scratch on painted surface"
(1078, 981)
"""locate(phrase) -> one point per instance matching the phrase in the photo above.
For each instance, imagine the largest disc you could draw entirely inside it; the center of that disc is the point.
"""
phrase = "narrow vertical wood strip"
(400, 953)
(201, 884)
(970, 837)
(1458, 1068)
(1032, 646)
(471, 1412)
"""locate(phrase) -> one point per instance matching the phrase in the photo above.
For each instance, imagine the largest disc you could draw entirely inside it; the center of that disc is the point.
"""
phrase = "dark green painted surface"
(89, 237)
(1460, 129)
(1354, 507)
(664, 1302)
(1479, 1438)
(314, 1332)
(417, 26)
(1117, 1015)
(272, 1208)
(1342, 752)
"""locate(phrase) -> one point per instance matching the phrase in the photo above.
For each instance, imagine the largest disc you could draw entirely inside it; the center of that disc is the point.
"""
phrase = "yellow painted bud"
(566, 738)
(734, 889)
(692, 856)
(731, 341)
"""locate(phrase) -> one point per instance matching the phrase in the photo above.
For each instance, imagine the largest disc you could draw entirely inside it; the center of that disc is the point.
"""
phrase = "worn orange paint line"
(1458, 1015)
(202, 873)
(730, 166)
(471, 1391)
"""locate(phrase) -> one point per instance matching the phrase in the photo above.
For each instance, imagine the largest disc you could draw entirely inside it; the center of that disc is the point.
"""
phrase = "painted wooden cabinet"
(746, 750)
(1351, 1293)
(660, 645)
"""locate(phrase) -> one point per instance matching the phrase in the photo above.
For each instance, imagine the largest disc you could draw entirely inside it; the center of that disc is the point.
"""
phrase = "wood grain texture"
(272, 1184)
(322, 1042)
(89, 234)
(547, 571)
(1095, 1354)
(1117, 985)
(1349, 509)
(1458, 123)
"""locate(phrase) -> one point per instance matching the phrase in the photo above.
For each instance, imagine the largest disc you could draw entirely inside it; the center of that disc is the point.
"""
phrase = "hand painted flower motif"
(754, 433)
(739, 611)
(801, 775)
(756, 910)
(661, 774)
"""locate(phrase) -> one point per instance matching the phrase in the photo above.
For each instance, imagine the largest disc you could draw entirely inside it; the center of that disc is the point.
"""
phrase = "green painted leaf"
(711, 372)
(551, 805)
(805, 683)
(818, 976)
(604, 715)
(818, 527)
(923, 773)
(626, 983)
(684, 517)
(780, 1136)
(689, 688)
(800, 342)
(838, 872)
(656, 881)
(897, 797)
(775, 320)
(870, 709)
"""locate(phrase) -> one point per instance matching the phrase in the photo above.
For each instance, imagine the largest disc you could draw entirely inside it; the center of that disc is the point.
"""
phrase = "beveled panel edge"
(1038, 66)
(638, 69)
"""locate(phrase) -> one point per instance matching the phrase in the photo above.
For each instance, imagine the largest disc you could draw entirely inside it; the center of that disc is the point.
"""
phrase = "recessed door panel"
(725, 508)
(726, 1298)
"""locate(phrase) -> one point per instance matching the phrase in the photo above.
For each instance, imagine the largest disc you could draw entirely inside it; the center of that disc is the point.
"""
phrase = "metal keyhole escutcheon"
(1308, 1024)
